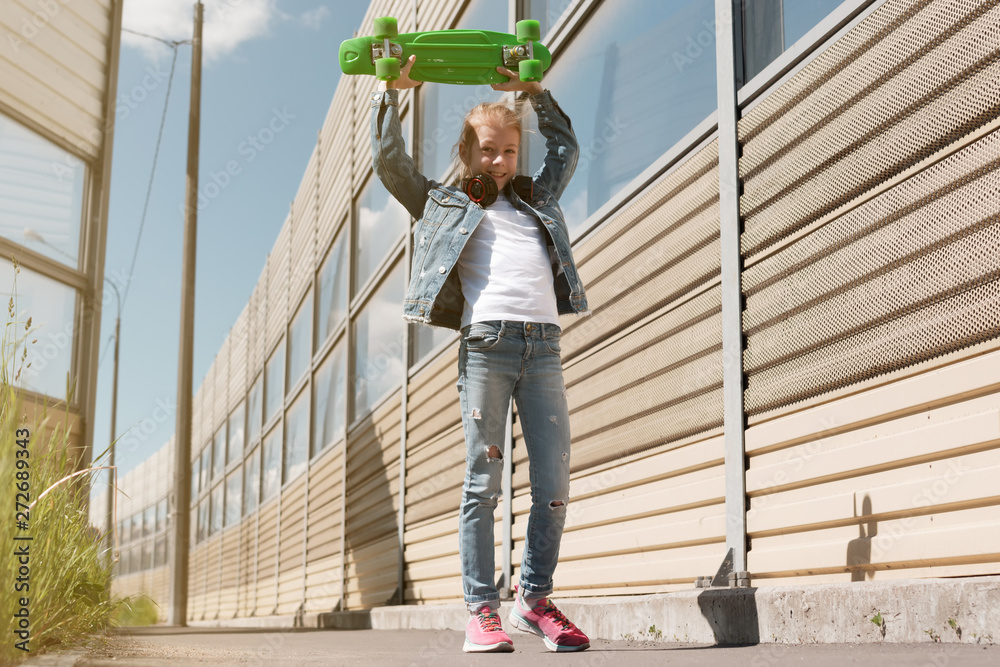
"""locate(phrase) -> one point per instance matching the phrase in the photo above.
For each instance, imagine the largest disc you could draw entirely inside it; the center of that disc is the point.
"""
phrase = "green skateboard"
(447, 56)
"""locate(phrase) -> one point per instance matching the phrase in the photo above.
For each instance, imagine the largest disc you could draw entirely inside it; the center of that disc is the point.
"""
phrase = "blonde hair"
(487, 113)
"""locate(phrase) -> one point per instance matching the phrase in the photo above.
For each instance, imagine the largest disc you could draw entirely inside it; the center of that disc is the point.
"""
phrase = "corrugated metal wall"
(870, 203)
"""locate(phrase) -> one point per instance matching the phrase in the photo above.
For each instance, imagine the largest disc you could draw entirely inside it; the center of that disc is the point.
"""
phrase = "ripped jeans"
(497, 360)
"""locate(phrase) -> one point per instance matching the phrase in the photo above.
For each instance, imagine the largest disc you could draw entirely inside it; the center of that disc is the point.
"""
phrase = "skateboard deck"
(467, 57)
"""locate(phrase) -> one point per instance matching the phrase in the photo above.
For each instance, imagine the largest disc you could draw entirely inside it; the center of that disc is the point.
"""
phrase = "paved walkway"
(225, 647)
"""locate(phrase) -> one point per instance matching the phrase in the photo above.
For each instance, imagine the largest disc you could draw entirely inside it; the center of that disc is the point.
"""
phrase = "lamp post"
(114, 412)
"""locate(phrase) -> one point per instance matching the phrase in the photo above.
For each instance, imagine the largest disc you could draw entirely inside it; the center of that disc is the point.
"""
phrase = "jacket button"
(463, 230)
(441, 270)
(446, 199)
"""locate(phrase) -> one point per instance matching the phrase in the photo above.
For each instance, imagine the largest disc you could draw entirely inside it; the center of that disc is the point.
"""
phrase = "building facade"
(328, 449)
(58, 77)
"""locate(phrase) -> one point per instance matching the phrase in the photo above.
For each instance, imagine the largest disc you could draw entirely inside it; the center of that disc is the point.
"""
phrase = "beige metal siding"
(335, 166)
(267, 558)
(871, 202)
(325, 526)
(221, 384)
(228, 593)
(238, 354)
(257, 328)
(304, 212)
(246, 586)
(290, 568)
(54, 59)
(277, 286)
(372, 555)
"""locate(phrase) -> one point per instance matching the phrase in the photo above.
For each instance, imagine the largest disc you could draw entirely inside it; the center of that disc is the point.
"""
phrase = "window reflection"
(330, 406)
(254, 405)
(235, 447)
(217, 508)
(378, 337)
(206, 467)
(636, 78)
(771, 26)
(41, 194)
(203, 519)
(546, 12)
(271, 477)
(251, 482)
(299, 342)
(52, 308)
(234, 494)
(331, 294)
(274, 388)
(297, 437)
(381, 221)
(219, 452)
(195, 478)
(424, 339)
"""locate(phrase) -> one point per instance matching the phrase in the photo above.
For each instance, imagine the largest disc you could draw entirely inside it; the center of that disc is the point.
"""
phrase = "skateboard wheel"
(530, 70)
(387, 69)
(385, 27)
(528, 31)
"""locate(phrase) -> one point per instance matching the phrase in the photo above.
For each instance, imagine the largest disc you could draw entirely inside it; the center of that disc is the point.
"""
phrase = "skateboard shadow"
(859, 551)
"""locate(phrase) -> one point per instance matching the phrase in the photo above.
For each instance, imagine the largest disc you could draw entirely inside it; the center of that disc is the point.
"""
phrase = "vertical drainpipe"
(727, 39)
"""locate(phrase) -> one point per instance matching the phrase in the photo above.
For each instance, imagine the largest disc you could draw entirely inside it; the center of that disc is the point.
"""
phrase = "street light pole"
(114, 413)
(182, 437)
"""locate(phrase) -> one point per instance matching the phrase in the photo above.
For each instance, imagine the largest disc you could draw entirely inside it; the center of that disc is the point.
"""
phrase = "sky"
(266, 63)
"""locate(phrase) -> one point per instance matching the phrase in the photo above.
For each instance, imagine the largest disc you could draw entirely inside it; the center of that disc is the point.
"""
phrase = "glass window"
(251, 481)
(443, 108)
(381, 221)
(546, 12)
(234, 450)
(147, 555)
(330, 405)
(193, 536)
(195, 478)
(331, 293)
(424, 339)
(160, 558)
(219, 452)
(203, 519)
(122, 538)
(274, 390)
(378, 344)
(299, 342)
(254, 405)
(137, 526)
(206, 467)
(218, 498)
(161, 515)
(271, 478)
(771, 26)
(51, 307)
(596, 81)
(234, 495)
(41, 195)
(149, 521)
(297, 437)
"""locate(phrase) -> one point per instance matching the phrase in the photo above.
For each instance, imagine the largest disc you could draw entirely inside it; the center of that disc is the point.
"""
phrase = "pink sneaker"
(483, 634)
(546, 621)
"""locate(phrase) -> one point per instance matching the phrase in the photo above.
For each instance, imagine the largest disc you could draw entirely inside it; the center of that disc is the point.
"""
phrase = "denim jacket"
(447, 217)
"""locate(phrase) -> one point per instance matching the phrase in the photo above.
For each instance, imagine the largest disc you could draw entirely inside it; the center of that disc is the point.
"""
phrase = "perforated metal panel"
(907, 82)
(906, 277)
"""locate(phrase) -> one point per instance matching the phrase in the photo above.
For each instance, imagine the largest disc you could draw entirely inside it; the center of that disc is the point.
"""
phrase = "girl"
(497, 264)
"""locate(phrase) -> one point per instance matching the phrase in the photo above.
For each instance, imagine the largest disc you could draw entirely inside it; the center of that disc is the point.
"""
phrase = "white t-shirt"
(505, 269)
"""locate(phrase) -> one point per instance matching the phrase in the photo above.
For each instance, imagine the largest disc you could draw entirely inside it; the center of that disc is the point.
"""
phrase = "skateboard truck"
(386, 50)
(512, 55)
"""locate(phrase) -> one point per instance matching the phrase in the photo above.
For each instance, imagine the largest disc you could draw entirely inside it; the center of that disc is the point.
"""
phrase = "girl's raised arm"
(392, 164)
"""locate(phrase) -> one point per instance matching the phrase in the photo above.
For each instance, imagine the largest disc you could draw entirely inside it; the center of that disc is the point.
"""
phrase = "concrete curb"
(924, 610)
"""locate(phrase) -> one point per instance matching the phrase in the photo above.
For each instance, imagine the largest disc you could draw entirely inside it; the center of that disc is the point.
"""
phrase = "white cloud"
(228, 23)
(314, 18)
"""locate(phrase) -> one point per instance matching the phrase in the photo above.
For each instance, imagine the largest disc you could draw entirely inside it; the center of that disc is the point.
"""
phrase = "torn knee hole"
(493, 453)
(556, 503)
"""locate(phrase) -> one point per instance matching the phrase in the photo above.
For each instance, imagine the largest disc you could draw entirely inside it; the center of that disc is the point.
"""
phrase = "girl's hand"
(515, 83)
(404, 81)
